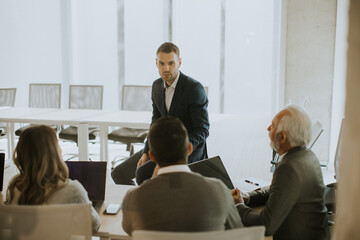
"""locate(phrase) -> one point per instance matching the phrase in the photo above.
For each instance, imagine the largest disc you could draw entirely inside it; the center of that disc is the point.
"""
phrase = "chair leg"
(131, 149)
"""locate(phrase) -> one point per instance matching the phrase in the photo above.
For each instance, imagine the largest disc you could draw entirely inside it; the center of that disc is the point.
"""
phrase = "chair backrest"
(59, 222)
(248, 233)
(7, 97)
(206, 88)
(44, 95)
(300, 101)
(316, 131)
(136, 98)
(86, 96)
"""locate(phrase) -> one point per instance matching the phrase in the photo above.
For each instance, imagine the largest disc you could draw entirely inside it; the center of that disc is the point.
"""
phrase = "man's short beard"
(275, 145)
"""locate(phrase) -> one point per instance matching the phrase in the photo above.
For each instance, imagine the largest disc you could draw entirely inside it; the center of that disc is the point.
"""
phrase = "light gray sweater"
(72, 192)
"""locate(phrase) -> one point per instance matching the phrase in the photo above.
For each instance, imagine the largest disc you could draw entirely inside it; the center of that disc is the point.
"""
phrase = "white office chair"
(83, 97)
(316, 131)
(7, 99)
(300, 101)
(246, 233)
(56, 222)
(134, 98)
(43, 95)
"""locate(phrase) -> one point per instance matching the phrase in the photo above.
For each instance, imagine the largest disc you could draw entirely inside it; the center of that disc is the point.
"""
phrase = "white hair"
(297, 126)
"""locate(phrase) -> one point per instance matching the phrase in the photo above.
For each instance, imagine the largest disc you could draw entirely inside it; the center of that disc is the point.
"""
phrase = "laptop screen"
(212, 167)
(92, 175)
(2, 165)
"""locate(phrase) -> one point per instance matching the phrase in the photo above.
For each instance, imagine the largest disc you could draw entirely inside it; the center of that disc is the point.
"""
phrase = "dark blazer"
(181, 202)
(294, 203)
(189, 104)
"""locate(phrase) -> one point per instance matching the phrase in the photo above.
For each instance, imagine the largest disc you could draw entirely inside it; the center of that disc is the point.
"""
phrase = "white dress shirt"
(281, 157)
(174, 168)
(169, 92)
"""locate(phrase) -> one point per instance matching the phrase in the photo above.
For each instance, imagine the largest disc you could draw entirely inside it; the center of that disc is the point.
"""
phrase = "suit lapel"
(161, 99)
(179, 90)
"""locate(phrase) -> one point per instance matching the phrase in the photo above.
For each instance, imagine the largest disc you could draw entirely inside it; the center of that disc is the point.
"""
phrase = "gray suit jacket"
(179, 201)
(294, 204)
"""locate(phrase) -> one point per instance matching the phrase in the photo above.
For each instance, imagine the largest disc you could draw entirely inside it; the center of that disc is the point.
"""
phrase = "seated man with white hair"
(294, 203)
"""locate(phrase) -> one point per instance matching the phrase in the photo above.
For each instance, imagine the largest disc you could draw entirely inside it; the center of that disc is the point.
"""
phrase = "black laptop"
(2, 166)
(212, 167)
(92, 175)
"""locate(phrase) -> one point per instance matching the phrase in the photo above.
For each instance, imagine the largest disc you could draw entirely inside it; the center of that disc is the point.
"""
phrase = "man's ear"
(190, 148)
(179, 62)
(282, 137)
(151, 156)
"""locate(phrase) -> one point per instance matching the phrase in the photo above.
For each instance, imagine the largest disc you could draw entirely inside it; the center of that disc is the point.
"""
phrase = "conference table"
(111, 225)
(82, 118)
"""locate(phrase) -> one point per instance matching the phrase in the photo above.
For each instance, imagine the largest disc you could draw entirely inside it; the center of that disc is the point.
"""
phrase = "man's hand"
(245, 196)
(239, 197)
(144, 158)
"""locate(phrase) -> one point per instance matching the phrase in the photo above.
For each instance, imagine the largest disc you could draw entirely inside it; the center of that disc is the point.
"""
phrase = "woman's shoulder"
(71, 192)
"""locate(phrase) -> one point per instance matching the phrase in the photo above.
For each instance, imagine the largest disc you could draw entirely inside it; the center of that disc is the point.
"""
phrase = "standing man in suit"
(177, 199)
(173, 94)
(294, 203)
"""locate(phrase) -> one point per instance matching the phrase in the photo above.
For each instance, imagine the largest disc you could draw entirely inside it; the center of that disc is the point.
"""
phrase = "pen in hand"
(248, 181)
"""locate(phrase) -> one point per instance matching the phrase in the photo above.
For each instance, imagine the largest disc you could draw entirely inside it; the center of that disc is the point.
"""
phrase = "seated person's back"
(44, 176)
(177, 199)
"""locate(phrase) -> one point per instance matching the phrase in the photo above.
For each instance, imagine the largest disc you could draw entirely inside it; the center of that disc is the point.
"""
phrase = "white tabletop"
(80, 117)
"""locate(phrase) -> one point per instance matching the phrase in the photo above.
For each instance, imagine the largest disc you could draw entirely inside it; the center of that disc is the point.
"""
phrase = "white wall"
(310, 61)
(144, 33)
(198, 37)
(94, 48)
(34, 50)
(339, 94)
(30, 45)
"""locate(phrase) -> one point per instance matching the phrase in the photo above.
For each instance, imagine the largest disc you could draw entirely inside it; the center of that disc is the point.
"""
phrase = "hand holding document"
(237, 196)
(250, 184)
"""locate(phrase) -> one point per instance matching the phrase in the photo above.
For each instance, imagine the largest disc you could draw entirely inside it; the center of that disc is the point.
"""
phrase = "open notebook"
(213, 167)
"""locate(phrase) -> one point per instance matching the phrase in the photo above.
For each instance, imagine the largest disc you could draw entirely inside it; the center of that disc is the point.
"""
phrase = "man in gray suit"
(177, 199)
(294, 203)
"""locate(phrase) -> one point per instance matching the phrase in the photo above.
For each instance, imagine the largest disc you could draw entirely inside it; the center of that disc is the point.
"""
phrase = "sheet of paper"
(250, 184)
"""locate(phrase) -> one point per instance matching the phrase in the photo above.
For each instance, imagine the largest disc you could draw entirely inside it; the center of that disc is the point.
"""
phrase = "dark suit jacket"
(294, 204)
(189, 104)
(180, 202)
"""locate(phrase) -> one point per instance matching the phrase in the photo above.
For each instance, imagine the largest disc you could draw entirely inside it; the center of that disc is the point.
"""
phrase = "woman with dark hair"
(43, 176)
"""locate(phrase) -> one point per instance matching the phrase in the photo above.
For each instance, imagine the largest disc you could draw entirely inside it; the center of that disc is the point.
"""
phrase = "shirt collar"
(174, 168)
(281, 157)
(173, 85)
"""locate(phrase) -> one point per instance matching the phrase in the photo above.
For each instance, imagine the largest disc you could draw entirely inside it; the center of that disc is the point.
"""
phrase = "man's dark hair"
(168, 141)
(168, 47)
